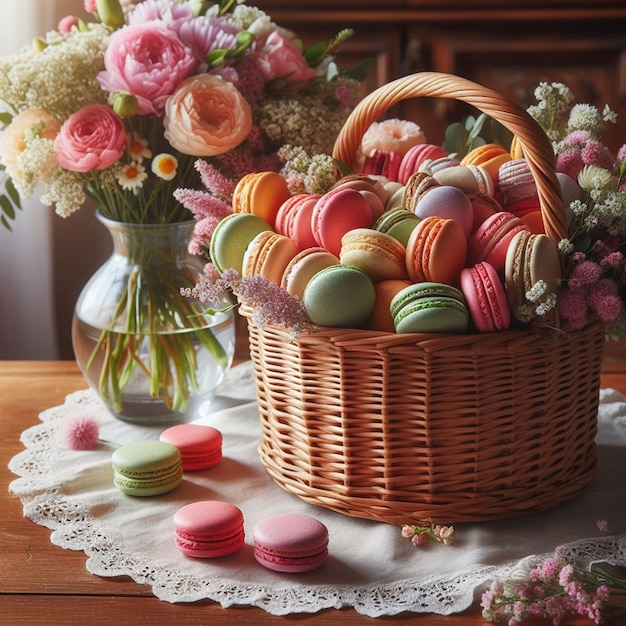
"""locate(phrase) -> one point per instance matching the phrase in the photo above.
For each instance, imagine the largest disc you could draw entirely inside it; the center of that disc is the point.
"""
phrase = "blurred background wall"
(46, 260)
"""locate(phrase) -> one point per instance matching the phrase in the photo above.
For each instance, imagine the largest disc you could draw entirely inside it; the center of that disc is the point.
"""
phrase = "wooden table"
(41, 583)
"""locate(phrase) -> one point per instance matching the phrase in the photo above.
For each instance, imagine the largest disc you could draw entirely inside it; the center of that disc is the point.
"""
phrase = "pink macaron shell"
(294, 219)
(200, 446)
(335, 213)
(290, 543)
(415, 156)
(485, 297)
(303, 267)
(209, 529)
(491, 240)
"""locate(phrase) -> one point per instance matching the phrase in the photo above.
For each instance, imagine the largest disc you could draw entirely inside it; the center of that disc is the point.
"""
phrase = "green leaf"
(6, 224)
(344, 168)
(315, 54)
(12, 192)
(359, 71)
(455, 139)
(7, 208)
(476, 127)
(5, 118)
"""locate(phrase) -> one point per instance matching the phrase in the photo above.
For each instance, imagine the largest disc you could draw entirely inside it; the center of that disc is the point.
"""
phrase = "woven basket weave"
(457, 428)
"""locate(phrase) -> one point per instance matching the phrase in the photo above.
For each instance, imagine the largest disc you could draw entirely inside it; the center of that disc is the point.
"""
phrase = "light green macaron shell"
(340, 296)
(429, 308)
(147, 468)
(231, 238)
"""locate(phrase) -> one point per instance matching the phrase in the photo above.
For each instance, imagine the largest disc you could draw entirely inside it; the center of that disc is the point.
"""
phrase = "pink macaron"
(417, 155)
(200, 446)
(290, 542)
(382, 163)
(491, 240)
(485, 297)
(335, 213)
(209, 529)
(294, 219)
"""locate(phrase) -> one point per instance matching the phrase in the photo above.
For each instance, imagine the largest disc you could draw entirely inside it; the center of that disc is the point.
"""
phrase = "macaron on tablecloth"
(369, 566)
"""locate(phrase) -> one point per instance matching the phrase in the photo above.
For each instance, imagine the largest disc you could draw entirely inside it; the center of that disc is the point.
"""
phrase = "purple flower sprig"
(555, 589)
(420, 534)
(270, 303)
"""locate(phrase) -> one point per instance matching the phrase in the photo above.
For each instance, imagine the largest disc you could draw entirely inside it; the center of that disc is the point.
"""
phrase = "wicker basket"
(402, 427)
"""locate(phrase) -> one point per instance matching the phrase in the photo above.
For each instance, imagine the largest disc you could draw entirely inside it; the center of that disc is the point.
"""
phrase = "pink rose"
(148, 61)
(392, 135)
(281, 58)
(206, 116)
(67, 23)
(93, 138)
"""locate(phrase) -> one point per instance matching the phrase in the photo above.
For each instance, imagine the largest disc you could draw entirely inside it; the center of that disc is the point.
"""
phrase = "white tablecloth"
(371, 566)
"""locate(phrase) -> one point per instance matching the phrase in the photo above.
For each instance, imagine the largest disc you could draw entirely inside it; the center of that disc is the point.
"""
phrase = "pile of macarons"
(422, 243)
(283, 542)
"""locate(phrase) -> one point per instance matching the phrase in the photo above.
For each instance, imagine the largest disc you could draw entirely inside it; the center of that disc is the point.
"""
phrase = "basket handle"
(535, 145)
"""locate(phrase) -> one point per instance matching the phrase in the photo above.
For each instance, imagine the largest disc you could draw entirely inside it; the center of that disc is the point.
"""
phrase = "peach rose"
(392, 135)
(206, 116)
(13, 142)
(93, 138)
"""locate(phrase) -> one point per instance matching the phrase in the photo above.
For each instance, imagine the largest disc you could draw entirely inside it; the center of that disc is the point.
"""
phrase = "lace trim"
(74, 527)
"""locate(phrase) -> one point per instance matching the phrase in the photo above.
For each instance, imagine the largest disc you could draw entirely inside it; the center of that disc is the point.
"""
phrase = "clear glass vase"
(152, 355)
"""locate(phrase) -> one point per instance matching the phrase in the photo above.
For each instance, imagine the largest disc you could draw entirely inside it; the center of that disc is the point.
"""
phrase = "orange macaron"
(261, 193)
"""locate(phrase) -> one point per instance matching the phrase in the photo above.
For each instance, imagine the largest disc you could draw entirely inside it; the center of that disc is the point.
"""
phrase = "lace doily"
(371, 566)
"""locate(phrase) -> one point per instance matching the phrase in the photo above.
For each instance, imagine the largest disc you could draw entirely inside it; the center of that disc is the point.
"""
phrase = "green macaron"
(231, 238)
(147, 468)
(429, 308)
(397, 223)
(341, 296)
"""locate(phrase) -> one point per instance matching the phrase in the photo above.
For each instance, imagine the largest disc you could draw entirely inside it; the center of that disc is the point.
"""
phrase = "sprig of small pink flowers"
(420, 534)
(554, 589)
(269, 303)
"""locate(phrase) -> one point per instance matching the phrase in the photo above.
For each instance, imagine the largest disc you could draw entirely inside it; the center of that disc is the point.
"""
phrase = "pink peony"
(148, 61)
(208, 33)
(173, 14)
(12, 140)
(206, 116)
(93, 138)
(282, 58)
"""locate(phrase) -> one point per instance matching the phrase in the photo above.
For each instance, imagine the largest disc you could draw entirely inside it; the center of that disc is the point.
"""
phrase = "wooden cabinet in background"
(508, 46)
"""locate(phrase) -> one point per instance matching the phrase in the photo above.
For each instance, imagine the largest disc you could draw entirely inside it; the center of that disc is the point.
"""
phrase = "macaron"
(147, 468)
(429, 307)
(267, 255)
(516, 183)
(370, 187)
(290, 542)
(491, 239)
(436, 251)
(209, 529)
(294, 219)
(397, 223)
(418, 185)
(335, 213)
(340, 296)
(468, 178)
(379, 255)
(485, 297)
(382, 162)
(415, 156)
(381, 318)
(231, 237)
(303, 267)
(531, 258)
(489, 156)
(448, 202)
(483, 206)
(200, 446)
(260, 193)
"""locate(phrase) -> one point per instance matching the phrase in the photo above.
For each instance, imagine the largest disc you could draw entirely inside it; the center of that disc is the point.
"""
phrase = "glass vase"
(152, 355)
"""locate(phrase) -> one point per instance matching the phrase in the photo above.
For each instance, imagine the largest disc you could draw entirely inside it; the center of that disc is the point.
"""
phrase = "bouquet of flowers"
(595, 282)
(123, 108)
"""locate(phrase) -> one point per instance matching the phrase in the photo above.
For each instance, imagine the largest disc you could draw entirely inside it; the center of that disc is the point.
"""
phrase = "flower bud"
(125, 104)
(110, 13)
(39, 44)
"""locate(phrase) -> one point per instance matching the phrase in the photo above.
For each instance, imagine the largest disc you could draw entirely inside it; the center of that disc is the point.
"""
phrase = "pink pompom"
(80, 432)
